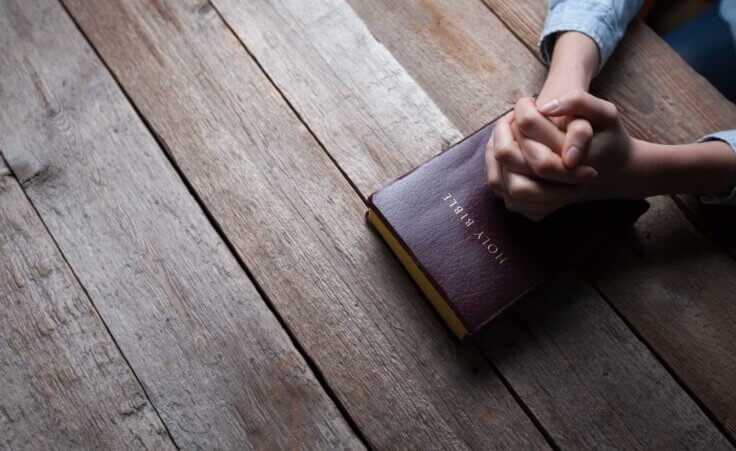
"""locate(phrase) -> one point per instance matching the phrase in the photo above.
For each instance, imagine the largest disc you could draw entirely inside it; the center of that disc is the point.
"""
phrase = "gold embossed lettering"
(465, 218)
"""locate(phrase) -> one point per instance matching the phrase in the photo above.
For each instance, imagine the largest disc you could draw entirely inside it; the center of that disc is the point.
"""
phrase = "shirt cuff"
(729, 137)
(597, 21)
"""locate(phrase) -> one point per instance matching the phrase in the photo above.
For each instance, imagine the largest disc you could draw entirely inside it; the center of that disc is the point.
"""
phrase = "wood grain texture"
(299, 226)
(678, 291)
(214, 360)
(563, 348)
(64, 382)
(281, 37)
(663, 100)
(444, 45)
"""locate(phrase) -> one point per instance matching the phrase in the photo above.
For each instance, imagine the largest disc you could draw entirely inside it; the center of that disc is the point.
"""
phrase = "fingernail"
(549, 106)
(573, 156)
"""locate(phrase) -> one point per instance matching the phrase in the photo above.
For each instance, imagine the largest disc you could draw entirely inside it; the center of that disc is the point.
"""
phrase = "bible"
(470, 256)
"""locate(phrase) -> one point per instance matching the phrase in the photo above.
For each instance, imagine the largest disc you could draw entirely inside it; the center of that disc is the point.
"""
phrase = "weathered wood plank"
(216, 363)
(619, 396)
(662, 99)
(447, 46)
(294, 42)
(298, 225)
(677, 289)
(64, 382)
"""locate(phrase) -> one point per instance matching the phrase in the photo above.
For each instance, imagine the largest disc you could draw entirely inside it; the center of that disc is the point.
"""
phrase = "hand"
(534, 147)
(611, 150)
(523, 156)
(531, 185)
(632, 168)
(574, 62)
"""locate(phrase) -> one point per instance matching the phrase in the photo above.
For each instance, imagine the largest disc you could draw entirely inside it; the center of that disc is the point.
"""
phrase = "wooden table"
(184, 260)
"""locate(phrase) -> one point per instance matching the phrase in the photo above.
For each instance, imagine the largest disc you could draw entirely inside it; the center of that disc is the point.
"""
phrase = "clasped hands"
(572, 148)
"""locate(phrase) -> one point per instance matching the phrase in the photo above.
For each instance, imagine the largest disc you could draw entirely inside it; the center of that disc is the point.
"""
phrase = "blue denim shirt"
(605, 22)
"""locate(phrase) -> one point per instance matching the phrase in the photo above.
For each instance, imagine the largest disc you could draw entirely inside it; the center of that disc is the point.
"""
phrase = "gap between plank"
(216, 226)
(89, 298)
(666, 366)
(535, 421)
(547, 436)
(704, 408)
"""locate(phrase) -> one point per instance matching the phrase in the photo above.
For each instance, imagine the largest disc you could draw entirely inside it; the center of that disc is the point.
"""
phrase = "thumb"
(577, 141)
(599, 113)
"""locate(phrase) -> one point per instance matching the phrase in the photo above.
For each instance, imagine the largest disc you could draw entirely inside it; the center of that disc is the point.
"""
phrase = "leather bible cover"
(471, 256)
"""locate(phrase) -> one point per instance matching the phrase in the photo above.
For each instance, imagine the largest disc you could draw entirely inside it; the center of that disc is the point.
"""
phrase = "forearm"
(700, 168)
(573, 65)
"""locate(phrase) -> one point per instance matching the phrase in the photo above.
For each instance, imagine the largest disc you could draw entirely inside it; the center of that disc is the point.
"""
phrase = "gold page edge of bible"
(434, 296)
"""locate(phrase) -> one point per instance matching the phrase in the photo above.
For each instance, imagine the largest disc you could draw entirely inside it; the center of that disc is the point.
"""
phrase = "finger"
(521, 187)
(599, 112)
(561, 122)
(534, 125)
(531, 210)
(493, 169)
(577, 140)
(506, 149)
(546, 164)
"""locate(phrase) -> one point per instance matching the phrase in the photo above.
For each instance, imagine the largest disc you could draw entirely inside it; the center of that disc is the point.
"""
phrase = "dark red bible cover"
(479, 256)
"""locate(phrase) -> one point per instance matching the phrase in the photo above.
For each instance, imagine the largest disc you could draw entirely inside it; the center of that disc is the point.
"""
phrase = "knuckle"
(610, 109)
(578, 93)
(495, 183)
(582, 129)
(577, 98)
(490, 148)
(525, 119)
(543, 166)
(510, 204)
(503, 153)
(517, 191)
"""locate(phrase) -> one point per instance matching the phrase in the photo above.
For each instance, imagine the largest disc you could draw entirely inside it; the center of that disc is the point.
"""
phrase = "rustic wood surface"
(454, 48)
(680, 296)
(217, 365)
(299, 227)
(64, 382)
(286, 53)
(211, 212)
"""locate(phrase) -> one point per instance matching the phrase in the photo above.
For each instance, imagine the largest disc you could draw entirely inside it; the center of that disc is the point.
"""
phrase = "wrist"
(574, 63)
(700, 168)
(558, 84)
(650, 169)
(574, 60)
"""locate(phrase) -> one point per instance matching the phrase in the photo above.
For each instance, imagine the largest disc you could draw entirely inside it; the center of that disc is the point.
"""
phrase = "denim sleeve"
(729, 137)
(604, 21)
